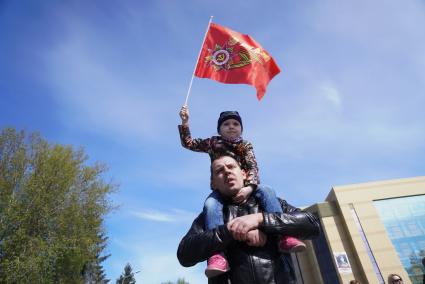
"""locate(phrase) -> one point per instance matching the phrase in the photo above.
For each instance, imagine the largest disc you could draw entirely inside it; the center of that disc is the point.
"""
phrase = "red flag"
(234, 58)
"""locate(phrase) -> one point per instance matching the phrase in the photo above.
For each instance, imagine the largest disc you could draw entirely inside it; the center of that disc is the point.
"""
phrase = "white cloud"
(321, 125)
(173, 216)
(153, 216)
(332, 95)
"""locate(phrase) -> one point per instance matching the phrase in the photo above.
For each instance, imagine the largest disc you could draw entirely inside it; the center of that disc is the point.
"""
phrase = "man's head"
(227, 176)
(395, 279)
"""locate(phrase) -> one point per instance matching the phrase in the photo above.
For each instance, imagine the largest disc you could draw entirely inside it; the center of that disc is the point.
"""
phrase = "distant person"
(249, 235)
(229, 142)
(395, 279)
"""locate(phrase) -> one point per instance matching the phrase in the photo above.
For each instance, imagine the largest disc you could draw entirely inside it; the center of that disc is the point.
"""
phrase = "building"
(369, 231)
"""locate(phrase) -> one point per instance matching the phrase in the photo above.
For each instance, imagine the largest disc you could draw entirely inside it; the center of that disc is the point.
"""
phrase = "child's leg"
(268, 200)
(213, 211)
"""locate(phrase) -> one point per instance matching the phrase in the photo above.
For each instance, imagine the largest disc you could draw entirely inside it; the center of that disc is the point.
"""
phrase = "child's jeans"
(213, 206)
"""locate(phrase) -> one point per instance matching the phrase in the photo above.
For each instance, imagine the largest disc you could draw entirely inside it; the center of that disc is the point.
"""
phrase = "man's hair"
(390, 277)
(354, 282)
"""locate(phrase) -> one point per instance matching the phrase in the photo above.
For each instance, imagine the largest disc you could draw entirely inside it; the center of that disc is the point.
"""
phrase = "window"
(406, 230)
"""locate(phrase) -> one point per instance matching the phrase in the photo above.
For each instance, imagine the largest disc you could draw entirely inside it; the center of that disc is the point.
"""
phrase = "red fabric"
(234, 58)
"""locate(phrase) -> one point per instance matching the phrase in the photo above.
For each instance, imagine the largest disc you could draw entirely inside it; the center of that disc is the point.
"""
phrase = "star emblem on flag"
(220, 57)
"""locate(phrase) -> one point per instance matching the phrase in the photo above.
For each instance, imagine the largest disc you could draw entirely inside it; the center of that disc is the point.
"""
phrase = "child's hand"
(243, 194)
(184, 115)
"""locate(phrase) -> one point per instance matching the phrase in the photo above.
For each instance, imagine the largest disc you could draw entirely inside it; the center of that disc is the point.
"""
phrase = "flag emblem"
(224, 57)
(219, 58)
(233, 58)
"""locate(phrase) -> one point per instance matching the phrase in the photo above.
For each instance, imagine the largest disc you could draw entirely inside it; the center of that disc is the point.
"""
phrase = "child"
(230, 143)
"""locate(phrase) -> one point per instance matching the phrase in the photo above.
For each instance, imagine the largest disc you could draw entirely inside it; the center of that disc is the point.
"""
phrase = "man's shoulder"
(287, 207)
(199, 219)
(198, 224)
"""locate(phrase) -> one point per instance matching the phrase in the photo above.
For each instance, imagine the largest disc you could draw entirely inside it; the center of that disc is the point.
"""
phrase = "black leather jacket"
(261, 265)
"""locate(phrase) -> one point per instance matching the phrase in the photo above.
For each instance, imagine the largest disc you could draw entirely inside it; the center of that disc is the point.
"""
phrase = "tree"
(179, 281)
(93, 271)
(128, 276)
(52, 207)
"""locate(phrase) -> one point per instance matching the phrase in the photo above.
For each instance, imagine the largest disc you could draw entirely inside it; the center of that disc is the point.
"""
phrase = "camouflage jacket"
(216, 146)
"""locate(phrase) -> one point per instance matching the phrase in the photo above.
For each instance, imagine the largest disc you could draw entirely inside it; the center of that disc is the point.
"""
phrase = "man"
(248, 237)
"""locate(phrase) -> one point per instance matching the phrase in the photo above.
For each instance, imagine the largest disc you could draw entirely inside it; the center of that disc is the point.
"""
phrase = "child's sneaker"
(291, 244)
(217, 264)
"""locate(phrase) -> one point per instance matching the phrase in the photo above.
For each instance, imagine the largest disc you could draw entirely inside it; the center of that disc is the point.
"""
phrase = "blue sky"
(111, 76)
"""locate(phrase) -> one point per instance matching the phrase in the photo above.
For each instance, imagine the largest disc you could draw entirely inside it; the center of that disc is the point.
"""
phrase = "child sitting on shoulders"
(230, 143)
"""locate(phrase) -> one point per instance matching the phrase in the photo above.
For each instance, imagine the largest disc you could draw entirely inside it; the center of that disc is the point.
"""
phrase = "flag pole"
(196, 64)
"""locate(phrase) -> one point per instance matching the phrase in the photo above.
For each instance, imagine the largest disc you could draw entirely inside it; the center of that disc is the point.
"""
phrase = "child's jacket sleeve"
(197, 145)
(250, 164)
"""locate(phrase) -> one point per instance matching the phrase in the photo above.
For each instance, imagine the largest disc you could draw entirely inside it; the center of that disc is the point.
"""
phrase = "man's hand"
(240, 226)
(184, 115)
(256, 238)
(243, 194)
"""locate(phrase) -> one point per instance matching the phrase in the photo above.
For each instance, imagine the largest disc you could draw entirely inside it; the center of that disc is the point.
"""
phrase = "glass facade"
(404, 220)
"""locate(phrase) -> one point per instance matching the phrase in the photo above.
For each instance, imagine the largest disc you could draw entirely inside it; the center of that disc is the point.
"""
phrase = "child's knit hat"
(225, 115)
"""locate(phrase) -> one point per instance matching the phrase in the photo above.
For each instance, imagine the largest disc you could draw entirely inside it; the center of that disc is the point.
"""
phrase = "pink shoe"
(291, 244)
(217, 264)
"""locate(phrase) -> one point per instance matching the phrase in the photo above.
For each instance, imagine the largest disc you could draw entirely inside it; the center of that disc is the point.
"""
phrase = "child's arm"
(243, 194)
(198, 145)
(252, 178)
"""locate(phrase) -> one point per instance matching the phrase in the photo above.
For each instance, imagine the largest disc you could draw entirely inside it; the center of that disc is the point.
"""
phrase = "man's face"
(228, 178)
